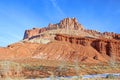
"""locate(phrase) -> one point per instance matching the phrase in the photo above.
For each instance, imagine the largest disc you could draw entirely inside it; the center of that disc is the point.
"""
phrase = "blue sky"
(18, 15)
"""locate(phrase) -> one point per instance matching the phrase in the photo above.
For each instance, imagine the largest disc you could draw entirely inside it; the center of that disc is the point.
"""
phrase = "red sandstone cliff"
(67, 23)
(107, 47)
(86, 45)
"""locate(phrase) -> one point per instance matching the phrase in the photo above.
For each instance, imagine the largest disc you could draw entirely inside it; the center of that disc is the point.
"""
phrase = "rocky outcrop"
(66, 41)
(112, 34)
(67, 23)
(86, 44)
(108, 35)
(70, 26)
(109, 47)
(33, 32)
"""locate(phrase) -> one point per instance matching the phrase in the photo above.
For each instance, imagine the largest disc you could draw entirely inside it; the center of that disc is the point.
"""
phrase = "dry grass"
(64, 68)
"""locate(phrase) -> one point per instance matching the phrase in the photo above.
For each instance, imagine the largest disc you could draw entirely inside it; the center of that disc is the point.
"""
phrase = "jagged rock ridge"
(67, 23)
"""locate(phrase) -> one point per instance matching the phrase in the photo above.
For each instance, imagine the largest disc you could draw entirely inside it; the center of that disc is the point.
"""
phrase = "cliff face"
(105, 44)
(87, 45)
(33, 32)
(67, 23)
(106, 47)
(70, 24)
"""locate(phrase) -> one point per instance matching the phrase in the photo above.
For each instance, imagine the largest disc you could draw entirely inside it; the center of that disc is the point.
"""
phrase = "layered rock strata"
(67, 23)
(109, 47)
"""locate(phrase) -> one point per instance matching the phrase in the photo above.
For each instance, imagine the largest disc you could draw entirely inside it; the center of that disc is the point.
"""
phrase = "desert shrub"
(77, 69)
(28, 67)
(83, 66)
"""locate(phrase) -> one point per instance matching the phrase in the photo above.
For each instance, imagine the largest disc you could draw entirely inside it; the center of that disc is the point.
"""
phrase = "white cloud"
(57, 7)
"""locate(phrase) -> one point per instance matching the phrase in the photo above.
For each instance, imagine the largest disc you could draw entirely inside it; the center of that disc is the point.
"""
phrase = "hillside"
(67, 40)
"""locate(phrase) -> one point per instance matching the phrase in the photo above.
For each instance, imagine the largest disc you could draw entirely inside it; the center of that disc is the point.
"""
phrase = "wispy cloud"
(15, 36)
(57, 7)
